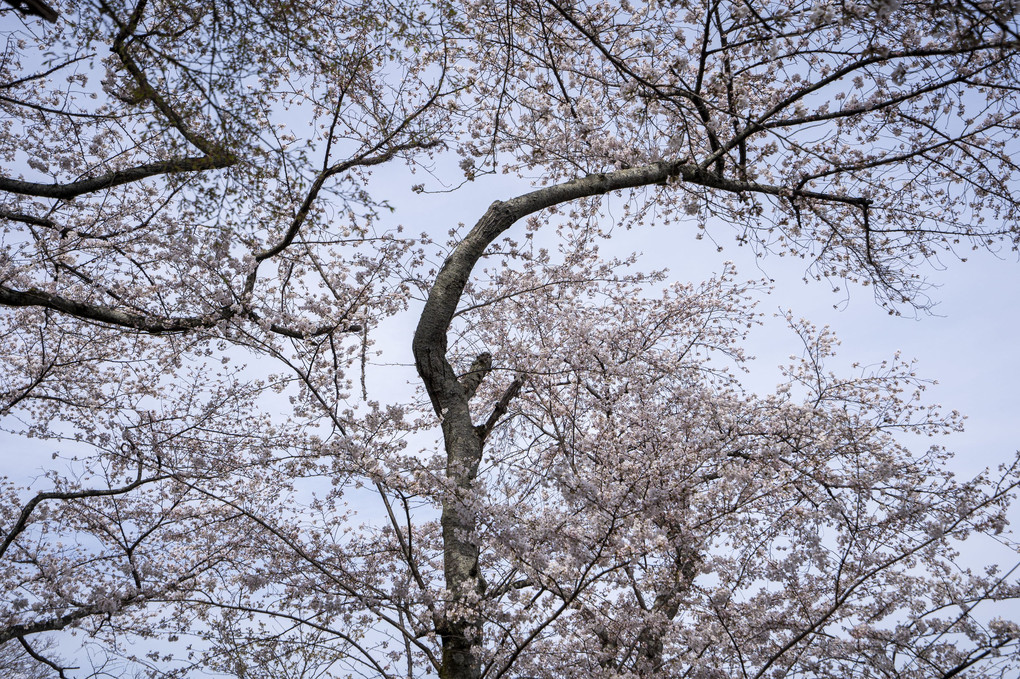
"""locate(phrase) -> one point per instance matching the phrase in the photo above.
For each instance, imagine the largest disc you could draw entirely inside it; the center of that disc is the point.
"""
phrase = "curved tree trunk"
(462, 630)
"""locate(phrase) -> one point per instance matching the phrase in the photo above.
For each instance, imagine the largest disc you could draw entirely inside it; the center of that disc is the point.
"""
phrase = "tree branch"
(480, 367)
(35, 8)
(117, 177)
(153, 325)
(30, 506)
(43, 659)
(501, 407)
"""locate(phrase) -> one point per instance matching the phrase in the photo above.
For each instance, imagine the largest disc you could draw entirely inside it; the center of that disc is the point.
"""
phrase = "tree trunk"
(461, 632)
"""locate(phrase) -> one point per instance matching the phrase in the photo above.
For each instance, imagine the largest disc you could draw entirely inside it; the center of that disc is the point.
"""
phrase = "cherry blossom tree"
(197, 272)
